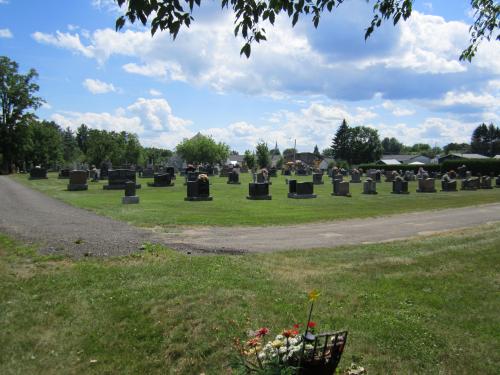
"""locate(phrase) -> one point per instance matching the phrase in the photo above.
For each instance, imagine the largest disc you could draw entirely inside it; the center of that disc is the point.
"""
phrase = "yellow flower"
(277, 343)
(313, 295)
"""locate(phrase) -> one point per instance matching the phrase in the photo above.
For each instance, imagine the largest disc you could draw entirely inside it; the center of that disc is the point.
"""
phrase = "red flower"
(296, 326)
(311, 324)
(295, 332)
(288, 333)
(253, 342)
(262, 332)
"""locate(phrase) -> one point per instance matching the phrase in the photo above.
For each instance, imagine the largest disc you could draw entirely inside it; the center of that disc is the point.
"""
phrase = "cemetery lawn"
(165, 207)
(423, 306)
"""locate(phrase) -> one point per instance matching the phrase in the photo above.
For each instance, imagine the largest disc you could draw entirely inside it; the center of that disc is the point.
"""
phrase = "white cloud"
(98, 87)
(397, 110)
(151, 119)
(154, 92)
(4, 1)
(66, 41)
(5, 33)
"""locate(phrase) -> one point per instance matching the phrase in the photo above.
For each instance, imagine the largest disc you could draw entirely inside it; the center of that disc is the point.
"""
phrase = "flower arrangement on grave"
(288, 352)
(203, 177)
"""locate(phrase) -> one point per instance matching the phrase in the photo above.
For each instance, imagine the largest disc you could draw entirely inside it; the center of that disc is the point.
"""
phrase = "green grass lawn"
(427, 306)
(164, 207)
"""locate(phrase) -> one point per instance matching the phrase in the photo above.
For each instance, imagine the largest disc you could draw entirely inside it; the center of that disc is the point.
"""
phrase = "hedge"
(476, 166)
(402, 167)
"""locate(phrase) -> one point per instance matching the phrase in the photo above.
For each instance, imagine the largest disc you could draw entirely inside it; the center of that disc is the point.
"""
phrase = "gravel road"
(60, 228)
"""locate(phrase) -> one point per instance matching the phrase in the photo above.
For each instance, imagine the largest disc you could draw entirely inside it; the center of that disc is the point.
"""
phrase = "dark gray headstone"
(161, 180)
(77, 181)
(400, 186)
(258, 191)
(38, 173)
(426, 185)
(233, 178)
(369, 186)
(198, 190)
(118, 177)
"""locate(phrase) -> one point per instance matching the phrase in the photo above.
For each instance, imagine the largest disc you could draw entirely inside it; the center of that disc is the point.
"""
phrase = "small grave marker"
(130, 193)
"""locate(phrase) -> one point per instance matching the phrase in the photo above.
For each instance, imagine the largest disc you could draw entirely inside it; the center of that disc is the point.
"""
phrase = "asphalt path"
(57, 227)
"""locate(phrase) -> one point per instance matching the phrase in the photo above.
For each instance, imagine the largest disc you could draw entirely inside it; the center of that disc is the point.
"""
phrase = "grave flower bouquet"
(203, 177)
(281, 354)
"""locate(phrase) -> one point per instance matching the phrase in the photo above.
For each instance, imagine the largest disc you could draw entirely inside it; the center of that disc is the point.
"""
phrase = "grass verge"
(422, 306)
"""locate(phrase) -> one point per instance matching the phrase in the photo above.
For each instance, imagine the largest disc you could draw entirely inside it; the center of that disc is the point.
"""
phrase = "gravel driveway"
(60, 228)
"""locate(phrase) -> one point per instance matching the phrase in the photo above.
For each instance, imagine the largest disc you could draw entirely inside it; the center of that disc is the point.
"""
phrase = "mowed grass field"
(427, 306)
(165, 207)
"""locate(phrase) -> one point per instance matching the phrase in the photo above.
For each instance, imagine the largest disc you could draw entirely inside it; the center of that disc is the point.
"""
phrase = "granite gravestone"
(448, 184)
(104, 171)
(77, 181)
(198, 190)
(233, 178)
(355, 177)
(130, 193)
(64, 173)
(258, 191)
(148, 173)
(341, 188)
(300, 190)
(161, 180)
(38, 173)
(318, 179)
(426, 185)
(497, 182)
(369, 186)
(191, 176)
(171, 172)
(471, 183)
(486, 182)
(399, 186)
(118, 177)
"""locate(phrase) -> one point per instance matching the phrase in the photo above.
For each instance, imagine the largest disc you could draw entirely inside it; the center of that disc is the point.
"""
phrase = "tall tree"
(70, 146)
(250, 16)
(485, 140)
(17, 98)
(316, 152)
(340, 146)
(82, 138)
(262, 155)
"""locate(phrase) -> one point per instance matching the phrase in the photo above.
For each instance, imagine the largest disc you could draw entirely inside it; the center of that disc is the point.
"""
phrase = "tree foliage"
(356, 145)
(17, 98)
(485, 140)
(249, 159)
(202, 149)
(340, 145)
(461, 148)
(391, 146)
(262, 155)
(250, 16)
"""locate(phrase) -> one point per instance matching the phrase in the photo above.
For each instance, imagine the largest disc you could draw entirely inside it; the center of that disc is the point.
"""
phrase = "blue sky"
(405, 81)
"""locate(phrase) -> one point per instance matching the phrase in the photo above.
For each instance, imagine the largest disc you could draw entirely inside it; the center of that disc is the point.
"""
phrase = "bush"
(476, 166)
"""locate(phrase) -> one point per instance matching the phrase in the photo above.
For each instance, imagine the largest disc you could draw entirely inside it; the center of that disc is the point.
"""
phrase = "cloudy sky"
(405, 81)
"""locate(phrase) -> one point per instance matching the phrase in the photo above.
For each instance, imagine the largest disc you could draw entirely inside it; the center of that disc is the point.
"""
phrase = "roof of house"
(469, 156)
(400, 158)
(496, 157)
(390, 161)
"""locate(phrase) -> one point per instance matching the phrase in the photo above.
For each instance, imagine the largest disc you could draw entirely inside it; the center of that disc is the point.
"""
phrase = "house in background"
(457, 156)
(404, 159)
